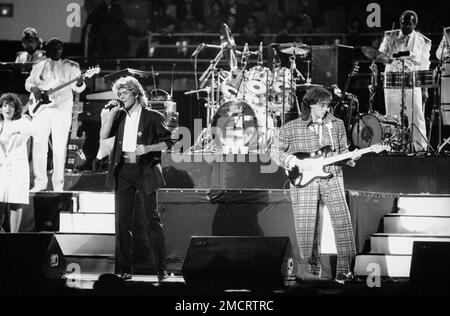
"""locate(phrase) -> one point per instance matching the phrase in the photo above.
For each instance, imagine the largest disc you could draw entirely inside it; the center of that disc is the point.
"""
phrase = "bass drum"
(237, 127)
(371, 129)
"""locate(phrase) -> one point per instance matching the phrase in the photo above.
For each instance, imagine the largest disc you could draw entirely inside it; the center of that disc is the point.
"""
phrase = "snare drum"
(371, 129)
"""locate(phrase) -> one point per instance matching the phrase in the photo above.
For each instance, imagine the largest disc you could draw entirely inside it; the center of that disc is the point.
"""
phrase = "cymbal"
(374, 54)
(294, 49)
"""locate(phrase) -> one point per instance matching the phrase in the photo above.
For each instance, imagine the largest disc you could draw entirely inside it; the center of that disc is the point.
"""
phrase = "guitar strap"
(329, 126)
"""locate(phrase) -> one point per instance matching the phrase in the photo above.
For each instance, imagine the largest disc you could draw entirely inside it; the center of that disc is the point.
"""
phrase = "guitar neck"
(54, 90)
(342, 157)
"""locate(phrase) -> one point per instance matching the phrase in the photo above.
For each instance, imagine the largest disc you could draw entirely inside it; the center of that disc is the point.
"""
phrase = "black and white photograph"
(224, 155)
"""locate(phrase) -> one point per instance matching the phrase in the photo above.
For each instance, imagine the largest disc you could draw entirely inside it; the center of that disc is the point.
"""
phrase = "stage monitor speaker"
(238, 262)
(48, 206)
(31, 256)
(430, 263)
(331, 64)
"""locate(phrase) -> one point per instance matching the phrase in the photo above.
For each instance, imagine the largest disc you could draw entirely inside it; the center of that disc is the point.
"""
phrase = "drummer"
(419, 46)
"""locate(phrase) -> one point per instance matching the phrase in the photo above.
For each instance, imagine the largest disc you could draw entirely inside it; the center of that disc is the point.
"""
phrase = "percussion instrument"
(238, 125)
(233, 87)
(425, 78)
(422, 78)
(371, 129)
(257, 80)
(295, 49)
(374, 54)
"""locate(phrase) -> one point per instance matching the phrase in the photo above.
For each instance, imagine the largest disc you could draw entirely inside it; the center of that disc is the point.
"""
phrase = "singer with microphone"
(140, 134)
(315, 129)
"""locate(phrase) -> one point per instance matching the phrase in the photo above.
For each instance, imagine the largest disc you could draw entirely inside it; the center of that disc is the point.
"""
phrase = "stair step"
(401, 244)
(81, 265)
(95, 223)
(96, 202)
(439, 225)
(392, 266)
(86, 244)
(431, 205)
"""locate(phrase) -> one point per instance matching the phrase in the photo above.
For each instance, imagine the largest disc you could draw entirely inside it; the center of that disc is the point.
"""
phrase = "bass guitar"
(46, 100)
(315, 163)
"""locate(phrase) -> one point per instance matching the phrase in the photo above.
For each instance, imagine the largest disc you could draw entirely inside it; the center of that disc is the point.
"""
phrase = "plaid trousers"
(305, 206)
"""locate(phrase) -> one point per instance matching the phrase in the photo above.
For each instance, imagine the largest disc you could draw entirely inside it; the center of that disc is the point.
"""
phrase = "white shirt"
(416, 43)
(48, 74)
(131, 129)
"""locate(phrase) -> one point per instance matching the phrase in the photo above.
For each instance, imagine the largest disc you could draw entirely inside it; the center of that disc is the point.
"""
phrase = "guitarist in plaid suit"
(315, 129)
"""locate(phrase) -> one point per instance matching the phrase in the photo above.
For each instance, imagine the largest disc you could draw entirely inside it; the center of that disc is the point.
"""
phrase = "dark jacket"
(152, 130)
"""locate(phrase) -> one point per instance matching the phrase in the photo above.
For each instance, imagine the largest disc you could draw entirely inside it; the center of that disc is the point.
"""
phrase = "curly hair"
(12, 98)
(132, 84)
(313, 96)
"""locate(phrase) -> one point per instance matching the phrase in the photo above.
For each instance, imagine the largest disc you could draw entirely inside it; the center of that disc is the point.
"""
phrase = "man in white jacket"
(418, 46)
(55, 120)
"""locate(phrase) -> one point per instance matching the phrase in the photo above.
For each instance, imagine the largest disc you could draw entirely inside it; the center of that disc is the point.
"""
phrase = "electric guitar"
(45, 99)
(317, 161)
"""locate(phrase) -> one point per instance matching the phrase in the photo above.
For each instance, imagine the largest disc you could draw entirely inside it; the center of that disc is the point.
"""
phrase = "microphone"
(113, 103)
(198, 49)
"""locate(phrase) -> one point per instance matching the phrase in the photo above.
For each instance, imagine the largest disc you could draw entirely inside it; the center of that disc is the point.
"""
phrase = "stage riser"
(373, 173)
(388, 265)
(399, 245)
(424, 205)
(92, 202)
(87, 244)
(87, 223)
(417, 225)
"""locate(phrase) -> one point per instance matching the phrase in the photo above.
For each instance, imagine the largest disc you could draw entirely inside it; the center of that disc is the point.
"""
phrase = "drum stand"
(205, 140)
(437, 110)
(413, 125)
(297, 72)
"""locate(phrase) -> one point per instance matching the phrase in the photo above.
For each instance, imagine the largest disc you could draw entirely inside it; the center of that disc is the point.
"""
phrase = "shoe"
(304, 273)
(126, 276)
(307, 277)
(344, 278)
(162, 275)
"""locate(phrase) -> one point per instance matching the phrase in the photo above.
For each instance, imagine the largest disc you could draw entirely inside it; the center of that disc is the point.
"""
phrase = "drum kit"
(372, 127)
(245, 106)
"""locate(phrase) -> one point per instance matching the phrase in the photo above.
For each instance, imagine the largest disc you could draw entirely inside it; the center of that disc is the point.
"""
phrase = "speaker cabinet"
(238, 262)
(331, 64)
(48, 206)
(430, 263)
(31, 255)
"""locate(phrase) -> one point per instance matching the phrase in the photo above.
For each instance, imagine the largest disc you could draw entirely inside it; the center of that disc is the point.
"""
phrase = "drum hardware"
(295, 49)
(372, 128)
(375, 55)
